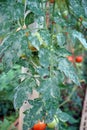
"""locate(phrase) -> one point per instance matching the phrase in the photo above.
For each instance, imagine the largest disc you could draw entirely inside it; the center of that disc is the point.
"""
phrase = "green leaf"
(44, 57)
(29, 18)
(76, 7)
(80, 37)
(13, 47)
(60, 21)
(43, 72)
(72, 128)
(6, 79)
(62, 52)
(84, 4)
(22, 92)
(59, 77)
(84, 23)
(34, 6)
(34, 41)
(49, 89)
(34, 114)
(45, 35)
(64, 117)
(61, 39)
(12, 10)
(5, 124)
(67, 68)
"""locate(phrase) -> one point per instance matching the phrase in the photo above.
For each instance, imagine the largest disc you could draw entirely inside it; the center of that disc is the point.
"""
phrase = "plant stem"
(25, 4)
(68, 98)
(52, 46)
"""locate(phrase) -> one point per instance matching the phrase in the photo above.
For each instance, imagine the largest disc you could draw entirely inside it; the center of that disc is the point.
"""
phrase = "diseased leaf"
(45, 35)
(34, 41)
(62, 52)
(84, 3)
(67, 68)
(61, 39)
(33, 114)
(84, 23)
(44, 57)
(34, 6)
(20, 96)
(43, 72)
(80, 37)
(76, 7)
(49, 89)
(64, 117)
(22, 92)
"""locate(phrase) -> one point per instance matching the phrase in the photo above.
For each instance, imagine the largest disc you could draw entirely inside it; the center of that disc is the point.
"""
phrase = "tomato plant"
(36, 35)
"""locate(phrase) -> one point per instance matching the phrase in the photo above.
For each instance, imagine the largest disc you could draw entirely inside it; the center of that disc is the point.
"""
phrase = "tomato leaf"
(22, 92)
(80, 37)
(62, 52)
(64, 117)
(34, 41)
(49, 89)
(34, 6)
(61, 39)
(67, 68)
(44, 55)
(43, 72)
(33, 114)
(45, 35)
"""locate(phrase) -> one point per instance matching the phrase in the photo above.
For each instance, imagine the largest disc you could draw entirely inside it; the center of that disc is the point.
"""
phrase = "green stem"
(47, 15)
(68, 98)
(52, 46)
(25, 4)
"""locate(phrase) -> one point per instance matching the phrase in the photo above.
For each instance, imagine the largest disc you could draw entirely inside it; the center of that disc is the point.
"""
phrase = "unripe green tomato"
(79, 24)
(54, 123)
(65, 14)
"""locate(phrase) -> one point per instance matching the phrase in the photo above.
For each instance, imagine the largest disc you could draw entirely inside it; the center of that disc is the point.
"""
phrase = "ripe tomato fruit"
(79, 59)
(52, 1)
(70, 58)
(39, 126)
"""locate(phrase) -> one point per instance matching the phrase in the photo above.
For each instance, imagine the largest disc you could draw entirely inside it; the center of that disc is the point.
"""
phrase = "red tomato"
(79, 59)
(52, 1)
(70, 58)
(39, 126)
